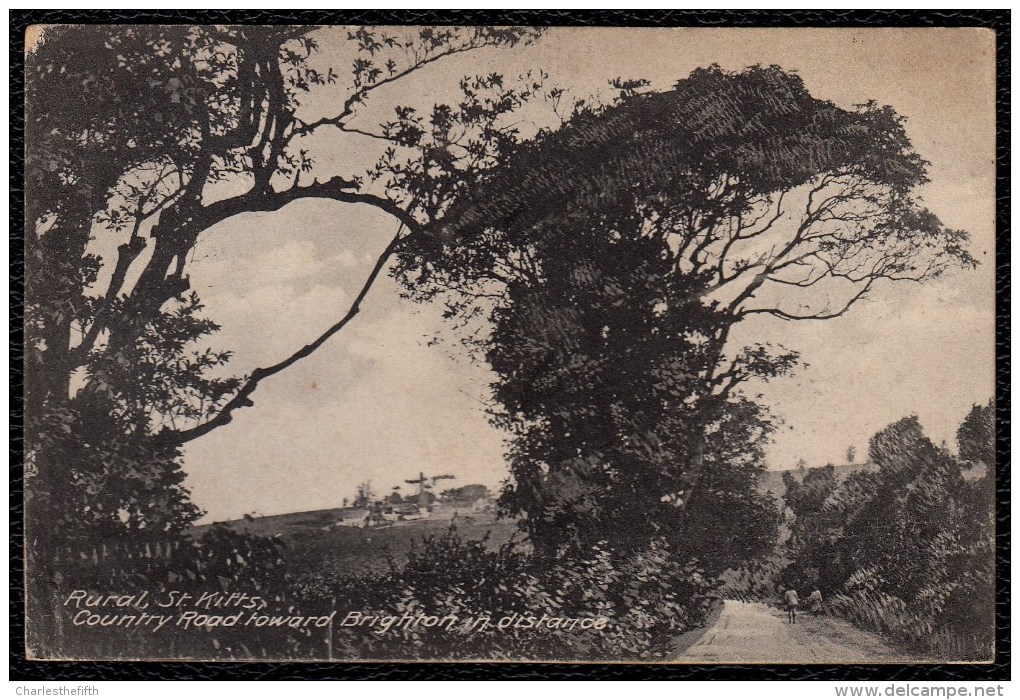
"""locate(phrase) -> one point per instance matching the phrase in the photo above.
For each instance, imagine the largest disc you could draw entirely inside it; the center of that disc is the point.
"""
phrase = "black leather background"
(21, 669)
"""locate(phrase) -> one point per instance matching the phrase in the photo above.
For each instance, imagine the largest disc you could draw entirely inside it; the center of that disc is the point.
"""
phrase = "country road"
(756, 633)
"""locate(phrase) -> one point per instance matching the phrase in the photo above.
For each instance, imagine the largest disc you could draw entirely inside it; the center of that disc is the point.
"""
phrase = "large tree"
(141, 139)
(599, 382)
(743, 195)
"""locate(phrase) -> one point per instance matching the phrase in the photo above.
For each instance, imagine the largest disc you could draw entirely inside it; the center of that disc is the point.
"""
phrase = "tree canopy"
(976, 436)
(747, 178)
(615, 254)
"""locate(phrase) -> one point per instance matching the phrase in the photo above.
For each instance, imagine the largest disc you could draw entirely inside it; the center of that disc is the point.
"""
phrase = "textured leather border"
(22, 669)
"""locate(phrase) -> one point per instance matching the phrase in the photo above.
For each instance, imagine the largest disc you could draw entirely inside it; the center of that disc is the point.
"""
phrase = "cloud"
(377, 404)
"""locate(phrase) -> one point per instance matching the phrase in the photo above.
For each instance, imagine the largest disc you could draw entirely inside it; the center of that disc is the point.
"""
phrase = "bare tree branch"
(823, 315)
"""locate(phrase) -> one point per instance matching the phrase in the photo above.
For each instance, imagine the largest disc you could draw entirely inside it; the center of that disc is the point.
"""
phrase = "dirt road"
(756, 633)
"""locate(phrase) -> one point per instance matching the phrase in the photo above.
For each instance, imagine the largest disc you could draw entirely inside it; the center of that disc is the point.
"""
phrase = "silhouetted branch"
(242, 398)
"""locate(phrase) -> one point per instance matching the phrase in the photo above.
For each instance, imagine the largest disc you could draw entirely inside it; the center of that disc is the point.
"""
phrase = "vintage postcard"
(669, 345)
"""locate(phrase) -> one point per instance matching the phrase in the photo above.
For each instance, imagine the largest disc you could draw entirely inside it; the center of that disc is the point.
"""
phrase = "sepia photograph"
(668, 345)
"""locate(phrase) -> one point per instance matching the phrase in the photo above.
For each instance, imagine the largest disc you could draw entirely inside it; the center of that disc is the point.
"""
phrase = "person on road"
(791, 605)
(815, 602)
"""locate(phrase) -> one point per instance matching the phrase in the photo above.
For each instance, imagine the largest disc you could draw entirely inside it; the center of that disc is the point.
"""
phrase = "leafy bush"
(644, 599)
(758, 579)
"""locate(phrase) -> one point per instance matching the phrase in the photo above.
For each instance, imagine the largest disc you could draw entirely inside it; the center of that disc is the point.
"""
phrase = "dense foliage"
(601, 371)
(909, 549)
(497, 603)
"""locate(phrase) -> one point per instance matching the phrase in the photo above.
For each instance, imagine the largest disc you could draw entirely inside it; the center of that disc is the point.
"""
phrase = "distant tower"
(423, 504)
(364, 499)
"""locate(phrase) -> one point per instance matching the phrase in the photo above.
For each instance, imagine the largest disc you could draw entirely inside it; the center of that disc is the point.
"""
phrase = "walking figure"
(791, 605)
(815, 602)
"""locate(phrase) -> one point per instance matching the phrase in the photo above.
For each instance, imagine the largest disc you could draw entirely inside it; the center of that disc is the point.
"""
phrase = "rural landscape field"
(317, 543)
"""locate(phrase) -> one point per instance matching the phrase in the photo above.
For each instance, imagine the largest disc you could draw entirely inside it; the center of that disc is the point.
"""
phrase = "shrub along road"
(757, 633)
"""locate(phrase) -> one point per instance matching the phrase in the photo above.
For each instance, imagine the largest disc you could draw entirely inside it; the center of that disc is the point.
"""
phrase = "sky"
(378, 402)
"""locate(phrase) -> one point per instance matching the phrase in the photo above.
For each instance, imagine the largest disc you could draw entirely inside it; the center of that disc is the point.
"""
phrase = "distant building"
(403, 511)
(355, 517)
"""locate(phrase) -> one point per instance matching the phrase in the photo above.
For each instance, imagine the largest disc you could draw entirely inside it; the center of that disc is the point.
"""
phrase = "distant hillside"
(773, 480)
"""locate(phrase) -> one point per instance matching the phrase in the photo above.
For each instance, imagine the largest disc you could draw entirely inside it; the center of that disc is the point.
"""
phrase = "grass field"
(315, 543)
